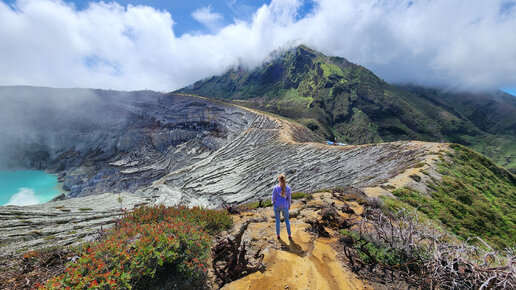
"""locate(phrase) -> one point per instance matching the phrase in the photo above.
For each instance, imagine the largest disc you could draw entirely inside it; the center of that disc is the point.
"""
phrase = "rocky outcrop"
(60, 223)
(245, 169)
(308, 261)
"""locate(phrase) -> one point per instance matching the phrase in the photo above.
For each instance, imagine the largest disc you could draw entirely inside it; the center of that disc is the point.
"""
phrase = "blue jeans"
(278, 219)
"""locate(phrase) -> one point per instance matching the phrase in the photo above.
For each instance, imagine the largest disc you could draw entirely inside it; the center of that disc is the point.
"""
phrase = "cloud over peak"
(454, 43)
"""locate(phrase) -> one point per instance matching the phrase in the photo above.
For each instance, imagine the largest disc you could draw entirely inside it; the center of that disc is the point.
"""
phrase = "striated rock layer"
(246, 168)
(107, 141)
(60, 223)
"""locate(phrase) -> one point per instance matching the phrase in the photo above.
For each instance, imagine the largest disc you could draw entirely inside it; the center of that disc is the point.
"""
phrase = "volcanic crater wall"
(122, 141)
(246, 168)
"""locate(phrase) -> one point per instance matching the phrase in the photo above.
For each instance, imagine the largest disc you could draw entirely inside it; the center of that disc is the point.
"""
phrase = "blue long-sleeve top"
(278, 200)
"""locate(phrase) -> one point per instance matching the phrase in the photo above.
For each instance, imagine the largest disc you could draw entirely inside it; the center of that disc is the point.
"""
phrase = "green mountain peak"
(348, 103)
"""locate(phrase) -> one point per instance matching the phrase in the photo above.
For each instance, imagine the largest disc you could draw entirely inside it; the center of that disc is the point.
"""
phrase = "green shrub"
(255, 204)
(301, 195)
(349, 233)
(211, 220)
(145, 241)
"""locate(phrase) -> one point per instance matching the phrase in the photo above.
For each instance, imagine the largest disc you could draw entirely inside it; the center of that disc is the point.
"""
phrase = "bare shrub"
(398, 246)
(230, 262)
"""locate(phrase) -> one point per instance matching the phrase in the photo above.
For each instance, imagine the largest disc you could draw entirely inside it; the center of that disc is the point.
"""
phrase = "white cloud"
(206, 17)
(24, 196)
(447, 42)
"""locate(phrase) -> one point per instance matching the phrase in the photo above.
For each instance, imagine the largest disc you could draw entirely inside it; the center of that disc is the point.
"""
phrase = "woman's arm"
(289, 197)
(273, 199)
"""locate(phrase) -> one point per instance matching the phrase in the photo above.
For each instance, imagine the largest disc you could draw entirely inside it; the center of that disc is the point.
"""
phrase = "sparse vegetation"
(49, 237)
(267, 202)
(358, 198)
(419, 165)
(301, 195)
(398, 248)
(345, 102)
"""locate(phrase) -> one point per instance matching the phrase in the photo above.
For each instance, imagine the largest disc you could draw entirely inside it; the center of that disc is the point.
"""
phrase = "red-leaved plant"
(144, 241)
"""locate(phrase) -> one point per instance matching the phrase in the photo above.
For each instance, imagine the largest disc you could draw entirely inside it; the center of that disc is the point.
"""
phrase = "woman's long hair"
(283, 183)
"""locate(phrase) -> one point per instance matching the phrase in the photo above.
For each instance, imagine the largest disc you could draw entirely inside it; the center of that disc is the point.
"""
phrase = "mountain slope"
(493, 113)
(253, 148)
(348, 103)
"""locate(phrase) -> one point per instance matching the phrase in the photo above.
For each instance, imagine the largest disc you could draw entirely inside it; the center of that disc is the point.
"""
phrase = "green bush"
(211, 220)
(300, 195)
(145, 241)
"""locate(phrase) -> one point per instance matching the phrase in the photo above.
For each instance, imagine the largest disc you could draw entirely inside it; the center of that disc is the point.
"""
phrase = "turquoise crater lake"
(27, 187)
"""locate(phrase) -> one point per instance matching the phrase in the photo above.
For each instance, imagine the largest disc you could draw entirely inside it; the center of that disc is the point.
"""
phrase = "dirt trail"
(305, 262)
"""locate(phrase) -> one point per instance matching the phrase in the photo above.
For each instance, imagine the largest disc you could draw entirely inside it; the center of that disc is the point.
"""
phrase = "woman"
(281, 200)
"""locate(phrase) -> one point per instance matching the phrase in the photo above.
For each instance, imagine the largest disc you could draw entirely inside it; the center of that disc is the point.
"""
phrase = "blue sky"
(511, 91)
(181, 10)
(165, 45)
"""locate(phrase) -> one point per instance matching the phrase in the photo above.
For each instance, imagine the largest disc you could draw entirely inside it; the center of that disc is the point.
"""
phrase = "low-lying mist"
(41, 118)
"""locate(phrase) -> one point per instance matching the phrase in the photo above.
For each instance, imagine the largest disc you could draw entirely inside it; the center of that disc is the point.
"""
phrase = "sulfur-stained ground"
(305, 262)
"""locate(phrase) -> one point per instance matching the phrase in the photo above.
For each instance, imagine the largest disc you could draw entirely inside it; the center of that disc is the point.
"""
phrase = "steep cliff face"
(114, 141)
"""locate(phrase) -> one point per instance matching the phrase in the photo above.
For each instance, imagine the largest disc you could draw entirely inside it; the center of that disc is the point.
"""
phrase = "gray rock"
(60, 223)
(124, 142)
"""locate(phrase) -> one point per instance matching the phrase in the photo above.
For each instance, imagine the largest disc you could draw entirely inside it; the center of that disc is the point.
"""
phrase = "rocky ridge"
(246, 168)
(348, 103)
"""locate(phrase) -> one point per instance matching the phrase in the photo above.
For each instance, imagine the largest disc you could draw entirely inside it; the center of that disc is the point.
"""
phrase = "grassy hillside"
(493, 113)
(474, 198)
(348, 103)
